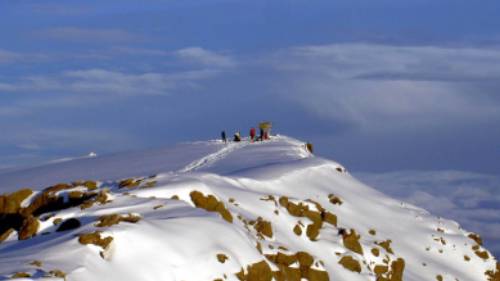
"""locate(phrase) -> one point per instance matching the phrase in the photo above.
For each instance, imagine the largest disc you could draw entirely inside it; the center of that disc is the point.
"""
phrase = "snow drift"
(210, 211)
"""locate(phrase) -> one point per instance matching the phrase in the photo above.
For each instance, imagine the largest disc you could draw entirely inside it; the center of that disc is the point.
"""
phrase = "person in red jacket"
(252, 134)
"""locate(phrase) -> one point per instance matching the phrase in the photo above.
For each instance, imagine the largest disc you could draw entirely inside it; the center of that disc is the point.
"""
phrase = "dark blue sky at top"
(376, 85)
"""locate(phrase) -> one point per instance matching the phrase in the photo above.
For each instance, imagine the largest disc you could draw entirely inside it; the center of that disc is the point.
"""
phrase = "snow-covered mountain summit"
(214, 211)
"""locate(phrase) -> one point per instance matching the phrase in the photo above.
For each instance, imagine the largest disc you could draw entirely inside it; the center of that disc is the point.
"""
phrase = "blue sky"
(381, 86)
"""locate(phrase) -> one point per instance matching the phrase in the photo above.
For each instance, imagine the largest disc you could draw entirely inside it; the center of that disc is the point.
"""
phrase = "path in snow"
(213, 157)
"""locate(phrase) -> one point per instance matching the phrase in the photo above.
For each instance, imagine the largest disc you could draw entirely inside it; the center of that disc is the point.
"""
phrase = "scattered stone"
(287, 269)
(129, 183)
(259, 271)
(29, 228)
(95, 239)
(57, 221)
(476, 238)
(329, 218)
(58, 187)
(263, 227)
(351, 242)
(75, 195)
(210, 204)
(222, 258)
(350, 263)
(317, 217)
(11, 203)
(6, 234)
(380, 269)
(334, 199)
(36, 263)
(493, 275)
(20, 275)
(312, 231)
(269, 198)
(112, 219)
(396, 272)
(90, 185)
(101, 198)
(386, 245)
(69, 224)
(57, 273)
(259, 247)
(150, 184)
(482, 254)
(297, 230)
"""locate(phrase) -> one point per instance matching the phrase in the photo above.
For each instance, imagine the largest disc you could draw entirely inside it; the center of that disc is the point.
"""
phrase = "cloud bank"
(472, 199)
(388, 86)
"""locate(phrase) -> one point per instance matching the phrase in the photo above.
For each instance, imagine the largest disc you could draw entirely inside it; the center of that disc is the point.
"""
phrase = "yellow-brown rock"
(297, 229)
(20, 275)
(334, 199)
(351, 242)
(210, 204)
(386, 245)
(380, 269)
(259, 271)
(95, 239)
(329, 218)
(315, 275)
(112, 219)
(6, 234)
(222, 258)
(493, 275)
(476, 238)
(29, 228)
(10, 204)
(264, 227)
(350, 263)
(305, 259)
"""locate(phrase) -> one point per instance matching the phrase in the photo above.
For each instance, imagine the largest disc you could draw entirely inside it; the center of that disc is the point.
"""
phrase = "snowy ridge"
(247, 211)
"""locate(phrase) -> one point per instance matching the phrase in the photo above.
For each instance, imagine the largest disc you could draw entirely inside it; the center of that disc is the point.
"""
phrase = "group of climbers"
(264, 130)
(264, 127)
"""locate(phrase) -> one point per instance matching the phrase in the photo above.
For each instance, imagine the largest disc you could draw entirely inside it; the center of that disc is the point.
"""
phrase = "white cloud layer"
(471, 199)
(388, 86)
(81, 86)
(119, 83)
(205, 57)
(75, 87)
(12, 57)
(386, 62)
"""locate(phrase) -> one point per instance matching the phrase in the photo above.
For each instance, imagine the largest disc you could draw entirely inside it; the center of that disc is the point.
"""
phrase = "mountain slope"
(207, 211)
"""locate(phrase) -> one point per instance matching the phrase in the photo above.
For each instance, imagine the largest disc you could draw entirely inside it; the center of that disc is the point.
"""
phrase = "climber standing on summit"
(223, 136)
(252, 134)
(237, 137)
